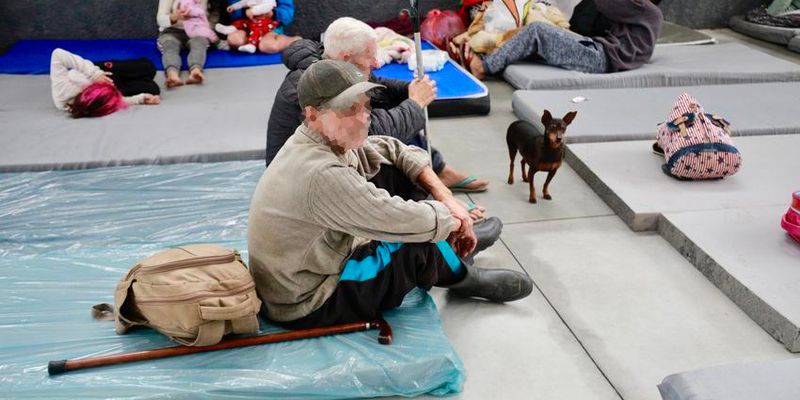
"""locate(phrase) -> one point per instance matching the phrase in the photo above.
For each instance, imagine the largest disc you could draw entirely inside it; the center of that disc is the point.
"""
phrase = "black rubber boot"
(498, 285)
(487, 232)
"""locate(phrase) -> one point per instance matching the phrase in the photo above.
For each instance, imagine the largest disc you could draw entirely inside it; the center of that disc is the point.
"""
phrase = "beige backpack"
(194, 294)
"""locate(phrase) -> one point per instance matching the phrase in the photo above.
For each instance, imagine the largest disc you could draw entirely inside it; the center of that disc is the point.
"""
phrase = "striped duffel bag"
(695, 144)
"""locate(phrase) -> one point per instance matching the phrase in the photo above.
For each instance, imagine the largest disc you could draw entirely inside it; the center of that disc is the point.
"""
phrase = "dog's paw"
(547, 197)
(510, 181)
(532, 200)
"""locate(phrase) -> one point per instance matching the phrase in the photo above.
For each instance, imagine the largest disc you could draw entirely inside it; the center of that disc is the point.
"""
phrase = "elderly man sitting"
(327, 246)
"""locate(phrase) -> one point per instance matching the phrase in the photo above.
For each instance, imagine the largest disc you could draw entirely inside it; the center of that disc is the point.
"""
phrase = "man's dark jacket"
(393, 114)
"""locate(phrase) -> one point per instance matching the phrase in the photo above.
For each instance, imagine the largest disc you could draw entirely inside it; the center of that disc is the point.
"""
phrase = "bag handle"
(103, 312)
(208, 334)
(229, 313)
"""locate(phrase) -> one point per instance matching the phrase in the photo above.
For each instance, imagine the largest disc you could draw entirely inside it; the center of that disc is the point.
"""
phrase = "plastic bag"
(439, 26)
(432, 61)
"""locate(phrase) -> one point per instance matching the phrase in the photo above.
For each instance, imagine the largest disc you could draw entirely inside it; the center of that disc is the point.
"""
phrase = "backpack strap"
(720, 122)
(103, 312)
(680, 124)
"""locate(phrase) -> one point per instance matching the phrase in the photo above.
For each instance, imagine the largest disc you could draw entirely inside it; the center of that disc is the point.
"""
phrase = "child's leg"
(169, 42)
(122, 70)
(197, 59)
(554, 45)
(275, 43)
(134, 87)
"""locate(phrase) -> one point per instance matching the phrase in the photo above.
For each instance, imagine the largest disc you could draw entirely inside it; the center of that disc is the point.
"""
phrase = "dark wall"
(107, 19)
(706, 13)
(312, 17)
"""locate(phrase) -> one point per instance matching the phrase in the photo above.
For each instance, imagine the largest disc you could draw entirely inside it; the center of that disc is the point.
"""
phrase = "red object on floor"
(791, 220)
(439, 26)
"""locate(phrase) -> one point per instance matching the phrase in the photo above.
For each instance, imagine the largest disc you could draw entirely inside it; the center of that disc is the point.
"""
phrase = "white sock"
(248, 48)
(224, 29)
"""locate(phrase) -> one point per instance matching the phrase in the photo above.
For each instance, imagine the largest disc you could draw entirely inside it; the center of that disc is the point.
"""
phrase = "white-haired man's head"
(348, 39)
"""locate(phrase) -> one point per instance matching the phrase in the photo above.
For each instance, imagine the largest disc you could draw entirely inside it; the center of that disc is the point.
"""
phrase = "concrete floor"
(613, 312)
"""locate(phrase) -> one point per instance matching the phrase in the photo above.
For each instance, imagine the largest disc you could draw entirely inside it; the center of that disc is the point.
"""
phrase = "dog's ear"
(546, 118)
(569, 117)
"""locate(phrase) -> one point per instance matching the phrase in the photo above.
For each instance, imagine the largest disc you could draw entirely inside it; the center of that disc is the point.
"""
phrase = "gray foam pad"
(623, 114)
(794, 44)
(723, 63)
(677, 35)
(627, 175)
(223, 119)
(768, 33)
(747, 255)
(776, 380)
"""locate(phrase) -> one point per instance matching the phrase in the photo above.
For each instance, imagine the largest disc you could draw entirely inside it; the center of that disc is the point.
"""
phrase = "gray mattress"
(677, 35)
(623, 114)
(723, 63)
(224, 119)
(794, 44)
(772, 34)
(777, 380)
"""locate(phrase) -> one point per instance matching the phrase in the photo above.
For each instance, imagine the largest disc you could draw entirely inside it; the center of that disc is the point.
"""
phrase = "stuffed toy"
(255, 27)
(393, 47)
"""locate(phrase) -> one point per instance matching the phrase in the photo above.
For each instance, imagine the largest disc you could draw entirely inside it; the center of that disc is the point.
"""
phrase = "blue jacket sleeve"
(284, 12)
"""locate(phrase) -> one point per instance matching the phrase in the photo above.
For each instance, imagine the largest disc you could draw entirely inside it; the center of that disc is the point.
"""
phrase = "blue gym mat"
(67, 237)
(32, 57)
(452, 82)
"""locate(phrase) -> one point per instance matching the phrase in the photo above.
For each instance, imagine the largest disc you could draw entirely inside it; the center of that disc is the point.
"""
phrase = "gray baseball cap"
(332, 83)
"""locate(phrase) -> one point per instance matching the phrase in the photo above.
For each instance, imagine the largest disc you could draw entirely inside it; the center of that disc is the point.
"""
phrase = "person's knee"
(198, 43)
(236, 39)
(169, 43)
(272, 43)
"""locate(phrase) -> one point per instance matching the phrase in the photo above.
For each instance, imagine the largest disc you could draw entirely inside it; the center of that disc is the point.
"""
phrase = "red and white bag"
(791, 220)
(696, 145)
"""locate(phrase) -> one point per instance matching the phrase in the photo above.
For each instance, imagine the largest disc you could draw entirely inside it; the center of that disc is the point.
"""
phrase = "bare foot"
(173, 80)
(196, 77)
(450, 177)
(476, 67)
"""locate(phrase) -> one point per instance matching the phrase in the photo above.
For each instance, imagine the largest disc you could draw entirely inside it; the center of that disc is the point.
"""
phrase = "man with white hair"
(397, 109)
(330, 247)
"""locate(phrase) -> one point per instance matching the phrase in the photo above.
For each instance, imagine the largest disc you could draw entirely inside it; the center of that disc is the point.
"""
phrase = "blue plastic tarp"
(67, 237)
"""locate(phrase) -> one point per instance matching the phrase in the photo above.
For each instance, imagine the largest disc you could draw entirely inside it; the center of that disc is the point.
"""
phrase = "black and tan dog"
(541, 151)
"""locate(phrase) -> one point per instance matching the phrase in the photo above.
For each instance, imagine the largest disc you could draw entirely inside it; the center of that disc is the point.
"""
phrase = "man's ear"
(546, 118)
(569, 117)
(311, 113)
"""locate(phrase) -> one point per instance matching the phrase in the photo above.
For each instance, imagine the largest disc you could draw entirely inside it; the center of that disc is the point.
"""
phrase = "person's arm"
(626, 11)
(142, 98)
(262, 8)
(395, 90)
(238, 5)
(343, 200)
(62, 62)
(196, 11)
(284, 12)
(402, 122)
(379, 150)
(463, 238)
(164, 14)
(405, 120)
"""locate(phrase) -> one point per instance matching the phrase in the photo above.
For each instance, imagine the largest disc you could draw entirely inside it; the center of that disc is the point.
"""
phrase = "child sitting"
(258, 23)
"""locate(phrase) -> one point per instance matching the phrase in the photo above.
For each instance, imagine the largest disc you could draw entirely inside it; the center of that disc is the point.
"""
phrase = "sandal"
(462, 186)
(471, 206)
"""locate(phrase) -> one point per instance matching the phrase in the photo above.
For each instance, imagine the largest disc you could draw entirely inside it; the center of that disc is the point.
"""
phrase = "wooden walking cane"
(62, 366)
(414, 12)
